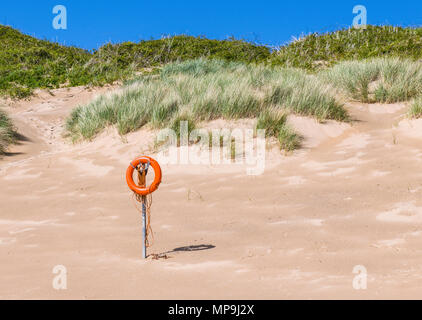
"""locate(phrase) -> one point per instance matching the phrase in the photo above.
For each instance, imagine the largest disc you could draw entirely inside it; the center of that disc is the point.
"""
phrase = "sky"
(92, 23)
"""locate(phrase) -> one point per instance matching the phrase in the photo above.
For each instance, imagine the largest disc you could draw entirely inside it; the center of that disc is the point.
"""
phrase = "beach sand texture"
(351, 196)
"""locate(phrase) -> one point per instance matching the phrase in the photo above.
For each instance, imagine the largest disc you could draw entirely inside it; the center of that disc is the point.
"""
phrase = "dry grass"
(416, 108)
(205, 90)
(377, 80)
(7, 132)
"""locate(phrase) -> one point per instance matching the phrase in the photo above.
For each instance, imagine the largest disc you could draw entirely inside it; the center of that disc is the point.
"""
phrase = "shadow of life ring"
(143, 191)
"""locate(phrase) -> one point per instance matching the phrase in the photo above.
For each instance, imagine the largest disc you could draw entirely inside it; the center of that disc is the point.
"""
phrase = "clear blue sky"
(92, 23)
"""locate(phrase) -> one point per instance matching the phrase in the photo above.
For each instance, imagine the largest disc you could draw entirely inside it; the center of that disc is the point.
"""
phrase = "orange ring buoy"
(129, 176)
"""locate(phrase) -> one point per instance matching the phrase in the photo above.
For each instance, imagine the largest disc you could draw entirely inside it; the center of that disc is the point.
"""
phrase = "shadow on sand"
(199, 247)
(21, 138)
(18, 140)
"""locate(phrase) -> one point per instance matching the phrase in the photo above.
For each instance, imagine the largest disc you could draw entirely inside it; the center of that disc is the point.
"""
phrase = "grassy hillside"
(27, 63)
(416, 108)
(385, 80)
(321, 50)
(180, 48)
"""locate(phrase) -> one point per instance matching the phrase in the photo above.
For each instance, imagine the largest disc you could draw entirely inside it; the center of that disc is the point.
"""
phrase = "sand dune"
(351, 196)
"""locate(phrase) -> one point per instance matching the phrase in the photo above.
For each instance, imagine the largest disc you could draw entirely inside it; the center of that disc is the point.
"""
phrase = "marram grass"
(7, 132)
(385, 80)
(416, 108)
(274, 122)
(206, 90)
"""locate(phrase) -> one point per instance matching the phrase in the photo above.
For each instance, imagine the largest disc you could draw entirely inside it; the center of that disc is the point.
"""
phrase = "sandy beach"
(351, 196)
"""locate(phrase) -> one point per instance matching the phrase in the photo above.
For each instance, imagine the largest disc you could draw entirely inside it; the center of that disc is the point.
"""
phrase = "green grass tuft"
(305, 94)
(275, 125)
(182, 117)
(416, 108)
(377, 80)
(7, 132)
(271, 121)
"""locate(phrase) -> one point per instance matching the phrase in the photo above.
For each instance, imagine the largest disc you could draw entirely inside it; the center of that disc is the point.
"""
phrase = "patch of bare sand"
(411, 128)
(111, 144)
(378, 108)
(315, 133)
(383, 108)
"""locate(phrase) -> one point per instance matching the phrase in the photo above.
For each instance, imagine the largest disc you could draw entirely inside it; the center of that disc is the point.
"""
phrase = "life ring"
(157, 179)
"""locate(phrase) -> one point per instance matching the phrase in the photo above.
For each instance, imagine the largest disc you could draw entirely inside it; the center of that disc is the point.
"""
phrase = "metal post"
(144, 226)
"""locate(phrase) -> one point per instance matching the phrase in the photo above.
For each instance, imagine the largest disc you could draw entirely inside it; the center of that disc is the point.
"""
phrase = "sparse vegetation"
(206, 90)
(377, 80)
(275, 123)
(319, 51)
(303, 94)
(7, 132)
(416, 108)
(288, 139)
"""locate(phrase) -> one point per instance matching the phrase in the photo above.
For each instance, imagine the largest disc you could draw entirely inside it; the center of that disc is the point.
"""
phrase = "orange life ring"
(157, 179)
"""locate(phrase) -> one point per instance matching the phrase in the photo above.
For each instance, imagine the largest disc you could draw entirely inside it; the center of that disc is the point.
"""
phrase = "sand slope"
(351, 197)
